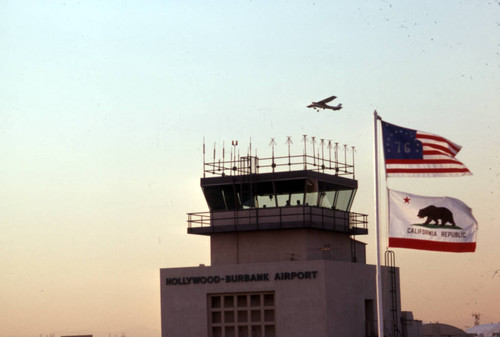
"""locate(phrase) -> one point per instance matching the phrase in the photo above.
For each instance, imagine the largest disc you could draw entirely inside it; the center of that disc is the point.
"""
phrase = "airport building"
(285, 256)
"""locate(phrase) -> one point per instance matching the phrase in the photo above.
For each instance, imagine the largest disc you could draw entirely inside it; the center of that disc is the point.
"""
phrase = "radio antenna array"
(250, 164)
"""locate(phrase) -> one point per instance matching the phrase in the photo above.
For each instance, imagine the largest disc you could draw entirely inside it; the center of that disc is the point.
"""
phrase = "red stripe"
(427, 170)
(435, 152)
(455, 147)
(455, 247)
(441, 149)
(430, 136)
(421, 161)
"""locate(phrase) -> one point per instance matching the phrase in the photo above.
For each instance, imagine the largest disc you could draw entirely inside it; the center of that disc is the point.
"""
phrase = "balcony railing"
(277, 218)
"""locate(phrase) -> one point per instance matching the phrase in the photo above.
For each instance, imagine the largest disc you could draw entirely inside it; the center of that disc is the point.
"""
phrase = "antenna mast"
(477, 318)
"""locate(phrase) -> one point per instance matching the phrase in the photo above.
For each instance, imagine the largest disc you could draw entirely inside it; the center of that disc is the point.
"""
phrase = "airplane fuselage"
(318, 105)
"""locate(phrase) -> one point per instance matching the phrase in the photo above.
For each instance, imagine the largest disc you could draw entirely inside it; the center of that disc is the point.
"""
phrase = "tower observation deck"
(251, 193)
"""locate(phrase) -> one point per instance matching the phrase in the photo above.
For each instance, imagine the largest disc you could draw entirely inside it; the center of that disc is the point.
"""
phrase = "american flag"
(419, 154)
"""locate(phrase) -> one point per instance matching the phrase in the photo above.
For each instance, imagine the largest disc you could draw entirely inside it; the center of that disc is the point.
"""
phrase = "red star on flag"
(407, 200)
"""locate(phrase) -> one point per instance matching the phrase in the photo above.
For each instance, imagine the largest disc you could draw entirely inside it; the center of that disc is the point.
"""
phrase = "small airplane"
(323, 104)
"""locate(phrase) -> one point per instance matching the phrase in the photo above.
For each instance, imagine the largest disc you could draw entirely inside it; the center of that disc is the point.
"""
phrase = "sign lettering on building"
(241, 278)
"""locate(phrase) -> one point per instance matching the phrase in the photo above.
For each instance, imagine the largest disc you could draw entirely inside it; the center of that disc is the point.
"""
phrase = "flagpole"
(380, 314)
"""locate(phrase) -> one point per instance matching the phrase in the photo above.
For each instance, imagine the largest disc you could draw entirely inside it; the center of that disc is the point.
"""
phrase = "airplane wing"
(327, 100)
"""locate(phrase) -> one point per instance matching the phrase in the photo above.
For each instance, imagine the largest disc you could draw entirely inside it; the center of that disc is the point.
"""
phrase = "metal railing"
(280, 217)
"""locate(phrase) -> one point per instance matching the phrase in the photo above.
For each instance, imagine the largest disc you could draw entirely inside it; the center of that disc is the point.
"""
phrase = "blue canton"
(400, 143)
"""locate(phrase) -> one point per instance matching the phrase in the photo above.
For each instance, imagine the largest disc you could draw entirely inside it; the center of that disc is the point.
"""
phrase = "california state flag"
(430, 223)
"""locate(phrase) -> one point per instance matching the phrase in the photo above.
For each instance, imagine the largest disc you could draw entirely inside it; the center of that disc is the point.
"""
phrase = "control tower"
(285, 261)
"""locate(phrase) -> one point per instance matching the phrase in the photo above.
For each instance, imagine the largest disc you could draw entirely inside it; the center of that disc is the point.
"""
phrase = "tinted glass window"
(265, 194)
(219, 198)
(344, 200)
(290, 192)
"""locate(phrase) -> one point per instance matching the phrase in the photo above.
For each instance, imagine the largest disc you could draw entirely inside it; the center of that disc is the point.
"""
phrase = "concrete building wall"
(283, 245)
(184, 306)
(328, 301)
(348, 286)
(351, 292)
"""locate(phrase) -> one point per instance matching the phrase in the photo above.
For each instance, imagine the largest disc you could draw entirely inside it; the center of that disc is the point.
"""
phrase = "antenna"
(353, 152)
(273, 144)
(304, 139)
(213, 167)
(249, 159)
(322, 154)
(289, 141)
(223, 157)
(234, 143)
(329, 147)
(345, 157)
(336, 157)
(204, 157)
(313, 141)
(477, 317)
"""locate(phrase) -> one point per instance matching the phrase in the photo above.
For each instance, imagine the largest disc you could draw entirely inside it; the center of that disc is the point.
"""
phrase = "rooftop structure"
(284, 257)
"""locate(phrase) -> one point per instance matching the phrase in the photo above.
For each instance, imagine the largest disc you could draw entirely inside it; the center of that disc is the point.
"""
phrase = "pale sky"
(104, 106)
